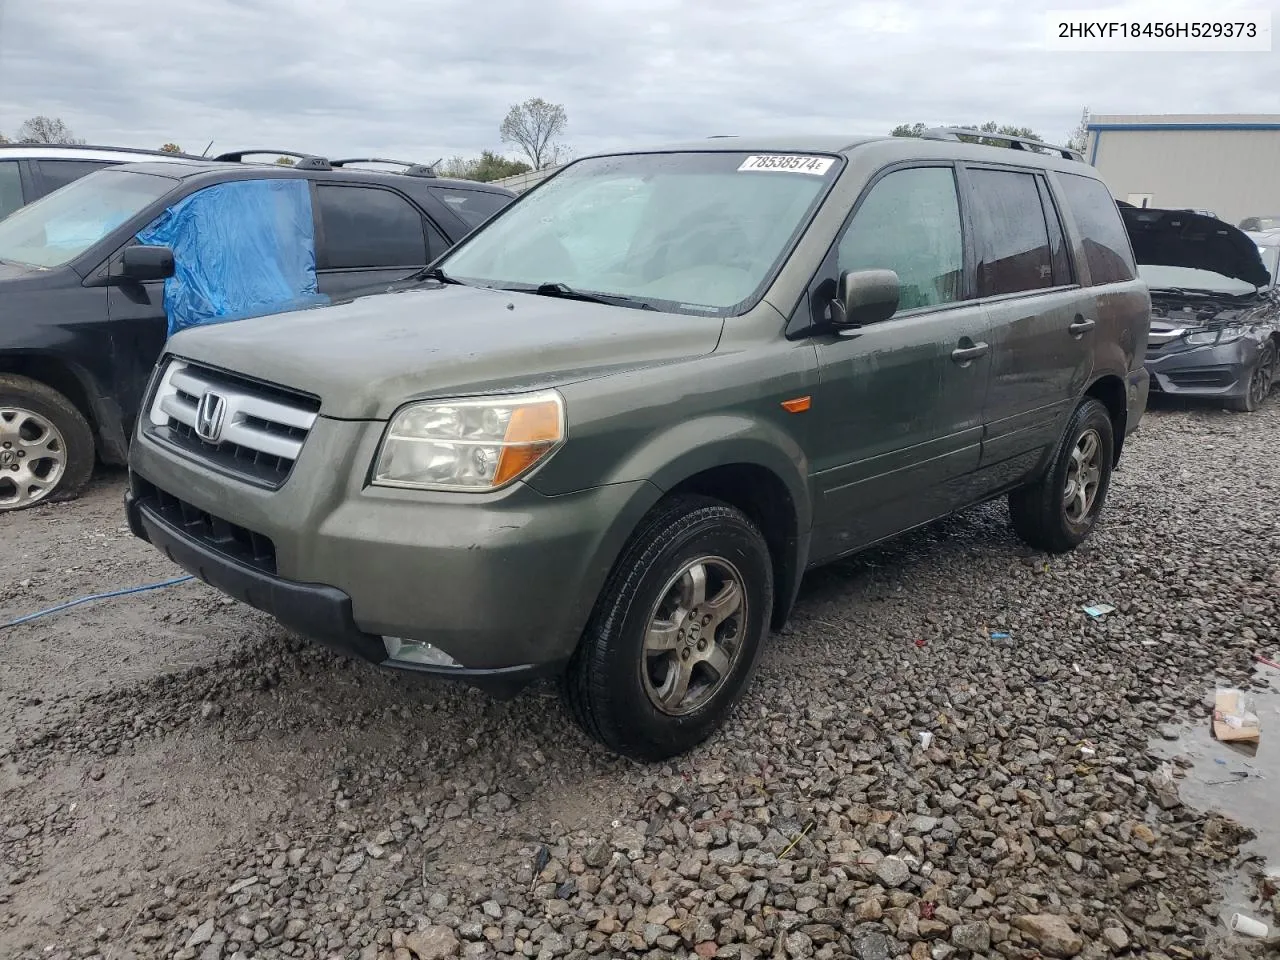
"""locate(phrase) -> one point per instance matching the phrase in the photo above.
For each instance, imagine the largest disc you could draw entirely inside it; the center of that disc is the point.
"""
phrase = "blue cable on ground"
(95, 596)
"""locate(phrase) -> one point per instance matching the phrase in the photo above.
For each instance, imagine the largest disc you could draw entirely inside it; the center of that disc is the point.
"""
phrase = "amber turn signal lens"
(797, 404)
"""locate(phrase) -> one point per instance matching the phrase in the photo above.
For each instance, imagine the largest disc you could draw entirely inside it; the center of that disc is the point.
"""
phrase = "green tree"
(908, 130)
(486, 167)
(171, 148)
(534, 127)
(46, 130)
(285, 161)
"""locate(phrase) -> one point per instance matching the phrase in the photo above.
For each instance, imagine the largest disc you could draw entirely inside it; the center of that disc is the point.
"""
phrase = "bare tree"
(1079, 139)
(46, 130)
(534, 126)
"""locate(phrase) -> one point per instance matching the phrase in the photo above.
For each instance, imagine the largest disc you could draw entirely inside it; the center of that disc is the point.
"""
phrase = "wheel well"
(52, 373)
(1109, 391)
(761, 495)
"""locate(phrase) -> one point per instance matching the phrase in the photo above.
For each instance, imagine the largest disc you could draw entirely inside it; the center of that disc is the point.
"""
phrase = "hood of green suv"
(365, 357)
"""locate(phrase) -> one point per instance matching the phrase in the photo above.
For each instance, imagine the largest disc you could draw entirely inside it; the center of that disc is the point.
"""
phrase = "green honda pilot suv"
(604, 437)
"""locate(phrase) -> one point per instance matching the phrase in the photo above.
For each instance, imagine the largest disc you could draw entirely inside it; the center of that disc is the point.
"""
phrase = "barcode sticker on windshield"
(788, 163)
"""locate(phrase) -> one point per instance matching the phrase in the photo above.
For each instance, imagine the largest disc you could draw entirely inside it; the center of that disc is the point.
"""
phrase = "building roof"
(1185, 121)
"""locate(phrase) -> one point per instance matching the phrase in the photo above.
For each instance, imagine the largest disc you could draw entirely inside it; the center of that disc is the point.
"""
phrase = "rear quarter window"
(58, 173)
(1106, 243)
(473, 207)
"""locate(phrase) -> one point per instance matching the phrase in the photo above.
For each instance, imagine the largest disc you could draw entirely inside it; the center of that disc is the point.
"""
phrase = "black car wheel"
(46, 446)
(1261, 378)
(1059, 511)
(676, 632)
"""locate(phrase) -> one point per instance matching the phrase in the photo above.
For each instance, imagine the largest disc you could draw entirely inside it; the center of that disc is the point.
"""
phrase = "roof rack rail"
(306, 161)
(1016, 143)
(412, 169)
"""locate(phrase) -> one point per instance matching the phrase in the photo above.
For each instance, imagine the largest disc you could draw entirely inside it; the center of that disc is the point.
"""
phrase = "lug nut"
(702, 645)
(684, 654)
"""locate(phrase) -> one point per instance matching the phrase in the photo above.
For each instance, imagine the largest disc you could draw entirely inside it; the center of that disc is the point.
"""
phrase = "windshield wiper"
(566, 292)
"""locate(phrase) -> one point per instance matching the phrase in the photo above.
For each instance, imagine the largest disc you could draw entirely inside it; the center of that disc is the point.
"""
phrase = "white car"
(30, 170)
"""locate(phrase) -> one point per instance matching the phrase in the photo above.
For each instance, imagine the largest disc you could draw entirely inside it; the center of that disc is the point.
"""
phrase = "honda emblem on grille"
(209, 416)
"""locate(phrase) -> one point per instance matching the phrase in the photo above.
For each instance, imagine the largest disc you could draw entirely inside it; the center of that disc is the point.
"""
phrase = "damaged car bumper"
(1214, 370)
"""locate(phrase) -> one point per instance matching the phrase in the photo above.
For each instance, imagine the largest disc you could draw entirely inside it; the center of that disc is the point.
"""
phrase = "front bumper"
(1214, 370)
(502, 583)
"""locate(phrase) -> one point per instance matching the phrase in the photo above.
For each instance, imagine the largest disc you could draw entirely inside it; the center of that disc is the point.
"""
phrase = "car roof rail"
(306, 161)
(1016, 143)
(411, 168)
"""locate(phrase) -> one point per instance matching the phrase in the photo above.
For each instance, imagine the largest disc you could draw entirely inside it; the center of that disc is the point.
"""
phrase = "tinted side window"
(910, 223)
(10, 187)
(1057, 240)
(1011, 237)
(58, 173)
(367, 227)
(1106, 243)
(473, 207)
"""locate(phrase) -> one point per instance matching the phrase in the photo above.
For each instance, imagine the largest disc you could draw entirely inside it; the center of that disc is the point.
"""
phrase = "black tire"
(1040, 516)
(19, 395)
(604, 687)
(1261, 379)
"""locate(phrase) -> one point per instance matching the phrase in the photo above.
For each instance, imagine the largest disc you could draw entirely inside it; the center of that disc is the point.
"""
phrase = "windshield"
(1187, 278)
(685, 232)
(59, 227)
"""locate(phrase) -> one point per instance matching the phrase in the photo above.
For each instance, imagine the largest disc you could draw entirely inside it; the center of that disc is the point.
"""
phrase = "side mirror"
(142, 263)
(865, 296)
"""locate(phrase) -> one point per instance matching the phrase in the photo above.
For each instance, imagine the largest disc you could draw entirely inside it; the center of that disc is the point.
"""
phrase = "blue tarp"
(240, 250)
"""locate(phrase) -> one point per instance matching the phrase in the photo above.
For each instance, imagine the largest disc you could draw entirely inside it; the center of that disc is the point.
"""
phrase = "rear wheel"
(1059, 511)
(46, 446)
(676, 631)
(1261, 378)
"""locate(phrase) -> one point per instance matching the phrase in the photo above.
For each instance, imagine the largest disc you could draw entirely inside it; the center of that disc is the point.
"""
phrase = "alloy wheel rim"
(1084, 476)
(33, 457)
(694, 636)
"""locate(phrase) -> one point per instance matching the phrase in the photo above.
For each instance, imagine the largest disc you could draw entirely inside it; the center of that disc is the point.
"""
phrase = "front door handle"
(1081, 327)
(963, 355)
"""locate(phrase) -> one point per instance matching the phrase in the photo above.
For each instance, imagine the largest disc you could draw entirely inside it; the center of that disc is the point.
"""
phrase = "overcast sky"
(421, 79)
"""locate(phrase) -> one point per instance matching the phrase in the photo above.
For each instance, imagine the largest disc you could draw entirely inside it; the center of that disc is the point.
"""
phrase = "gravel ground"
(181, 778)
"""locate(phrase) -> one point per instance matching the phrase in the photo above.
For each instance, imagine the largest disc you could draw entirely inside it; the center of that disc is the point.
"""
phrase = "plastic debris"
(920, 642)
(1234, 719)
(1099, 610)
(1267, 661)
(999, 635)
(926, 739)
(1249, 927)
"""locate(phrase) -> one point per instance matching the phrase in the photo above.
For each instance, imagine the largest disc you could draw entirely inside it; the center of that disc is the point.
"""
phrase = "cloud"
(422, 81)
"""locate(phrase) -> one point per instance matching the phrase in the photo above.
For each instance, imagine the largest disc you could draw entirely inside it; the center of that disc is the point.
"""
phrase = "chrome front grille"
(239, 425)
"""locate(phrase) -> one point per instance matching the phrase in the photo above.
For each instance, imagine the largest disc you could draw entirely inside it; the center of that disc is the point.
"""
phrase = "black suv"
(96, 275)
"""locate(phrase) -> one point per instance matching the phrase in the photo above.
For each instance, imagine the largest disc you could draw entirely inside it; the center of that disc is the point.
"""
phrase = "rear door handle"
(1081, 327)
(963, 355)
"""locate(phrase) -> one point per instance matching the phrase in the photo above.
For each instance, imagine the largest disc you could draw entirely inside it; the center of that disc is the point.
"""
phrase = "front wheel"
(1261, 377)
(46, 446)
(676, 631)
(1057, 512)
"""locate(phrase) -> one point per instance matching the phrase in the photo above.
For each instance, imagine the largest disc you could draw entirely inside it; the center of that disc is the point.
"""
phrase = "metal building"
(1228, 164)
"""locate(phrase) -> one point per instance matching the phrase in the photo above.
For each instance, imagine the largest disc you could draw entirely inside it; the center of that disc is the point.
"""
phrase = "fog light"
(415, 651)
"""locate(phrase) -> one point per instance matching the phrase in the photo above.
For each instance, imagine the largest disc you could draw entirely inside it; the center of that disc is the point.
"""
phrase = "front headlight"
(475, 444)
(1202, 338)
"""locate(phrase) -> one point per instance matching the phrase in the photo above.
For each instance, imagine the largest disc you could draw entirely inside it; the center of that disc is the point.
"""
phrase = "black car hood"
(1180, 238)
